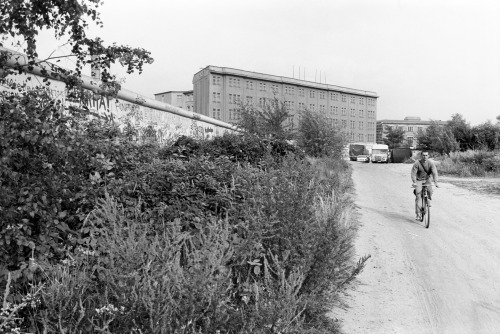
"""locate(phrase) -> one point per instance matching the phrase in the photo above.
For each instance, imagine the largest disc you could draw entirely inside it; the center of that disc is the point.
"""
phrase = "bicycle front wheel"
(426, 216)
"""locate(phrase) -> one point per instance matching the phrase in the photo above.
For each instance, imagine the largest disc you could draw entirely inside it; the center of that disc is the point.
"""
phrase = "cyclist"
(421, 173)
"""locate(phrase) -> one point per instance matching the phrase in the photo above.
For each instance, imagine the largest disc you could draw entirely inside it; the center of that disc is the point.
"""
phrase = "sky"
(426, 58)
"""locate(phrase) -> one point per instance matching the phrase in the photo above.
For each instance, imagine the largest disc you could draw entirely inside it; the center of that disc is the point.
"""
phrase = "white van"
(380, 153)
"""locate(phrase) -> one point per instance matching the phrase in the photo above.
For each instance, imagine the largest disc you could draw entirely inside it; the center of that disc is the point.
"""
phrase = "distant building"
(218, 92)
(180, 99)
(411, 125)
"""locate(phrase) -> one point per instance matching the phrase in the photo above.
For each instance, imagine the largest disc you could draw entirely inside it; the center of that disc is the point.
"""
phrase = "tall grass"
(277, 262)
(470, 163)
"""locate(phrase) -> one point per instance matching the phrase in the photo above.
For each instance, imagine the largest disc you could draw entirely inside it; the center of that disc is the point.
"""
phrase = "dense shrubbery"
(240, 234)
(470, 163)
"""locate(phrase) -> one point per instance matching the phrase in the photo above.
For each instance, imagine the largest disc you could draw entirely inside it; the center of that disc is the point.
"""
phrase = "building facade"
(411, 126)
(180, 99)
(220, 91)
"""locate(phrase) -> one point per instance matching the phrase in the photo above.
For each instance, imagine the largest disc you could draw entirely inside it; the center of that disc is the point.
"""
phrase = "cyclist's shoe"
(419, 217)
(429, 202)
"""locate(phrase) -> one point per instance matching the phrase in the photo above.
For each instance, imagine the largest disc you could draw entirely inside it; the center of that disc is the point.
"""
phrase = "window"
(361, 124)
(360, 113)
(361, 100)
(409, 141)
(262, 101)
(344, 98)
(353, 99)
(290, 105)
(361, 137)
(344, 111)
(312, 106)
(216, 80)
(233, 98)
(334, 96)
(289, 90)
(216, 97)
(249, 99)
(353, 124)
(353, 112)
(275, 88)
(301, 92)
(302, 106)
(312, 94)
(410, 128)
(322, 95)
(249, 84)
(334, 110)
(262, 86)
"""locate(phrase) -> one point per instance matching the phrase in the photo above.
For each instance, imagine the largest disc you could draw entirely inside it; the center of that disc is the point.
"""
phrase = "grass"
(470, 164)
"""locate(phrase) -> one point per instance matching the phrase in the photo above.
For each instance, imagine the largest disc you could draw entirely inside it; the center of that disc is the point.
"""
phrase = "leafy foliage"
(319, 138)
(24, 19)
(237, 234)
(437, 138)
(394, 136)
(266, 121)
(471, 163)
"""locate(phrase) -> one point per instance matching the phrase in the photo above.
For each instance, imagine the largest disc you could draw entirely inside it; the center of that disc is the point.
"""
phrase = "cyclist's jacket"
(422, 171)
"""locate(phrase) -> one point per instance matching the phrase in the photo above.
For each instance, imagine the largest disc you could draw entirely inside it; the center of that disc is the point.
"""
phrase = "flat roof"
(287, 80)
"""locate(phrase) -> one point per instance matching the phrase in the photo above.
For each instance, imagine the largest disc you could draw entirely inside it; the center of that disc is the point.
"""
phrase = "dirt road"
(445, 279)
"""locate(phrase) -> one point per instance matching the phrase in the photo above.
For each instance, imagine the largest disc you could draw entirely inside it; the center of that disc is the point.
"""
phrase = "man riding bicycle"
(421, 173)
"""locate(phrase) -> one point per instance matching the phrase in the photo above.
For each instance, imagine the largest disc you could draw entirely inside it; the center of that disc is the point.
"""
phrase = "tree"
(462, 131)
(67, 19)
(487, 135)
(437, 138)
(394, 136)
(270, 120)
(318, 137)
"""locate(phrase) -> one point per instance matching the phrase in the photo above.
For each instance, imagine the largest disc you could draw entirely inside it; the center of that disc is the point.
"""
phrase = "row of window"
(361, 137)
(236, 98)
(290, 90)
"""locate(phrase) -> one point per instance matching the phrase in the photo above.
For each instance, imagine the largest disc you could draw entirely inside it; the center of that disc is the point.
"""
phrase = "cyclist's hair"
(424, 151)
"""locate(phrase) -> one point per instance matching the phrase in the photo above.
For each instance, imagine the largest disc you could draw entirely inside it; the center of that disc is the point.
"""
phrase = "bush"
(237, 234)
(318, 138)
(471, 163)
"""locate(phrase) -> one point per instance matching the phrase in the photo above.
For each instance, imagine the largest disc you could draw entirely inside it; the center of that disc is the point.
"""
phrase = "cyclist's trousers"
(418, 191)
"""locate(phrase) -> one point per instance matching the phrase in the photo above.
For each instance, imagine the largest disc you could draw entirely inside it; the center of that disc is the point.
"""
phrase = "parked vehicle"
(360, 151)
(400, 154)
(380, 153)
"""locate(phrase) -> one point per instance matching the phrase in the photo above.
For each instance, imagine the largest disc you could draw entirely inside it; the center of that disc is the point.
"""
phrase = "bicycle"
(425, 211)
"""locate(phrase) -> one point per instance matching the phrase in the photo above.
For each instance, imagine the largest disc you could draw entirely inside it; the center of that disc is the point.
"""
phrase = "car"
(363, 158)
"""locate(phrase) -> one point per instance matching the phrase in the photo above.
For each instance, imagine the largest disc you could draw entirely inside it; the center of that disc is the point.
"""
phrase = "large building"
(180, 99)
(219, 92)
(411, 126)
